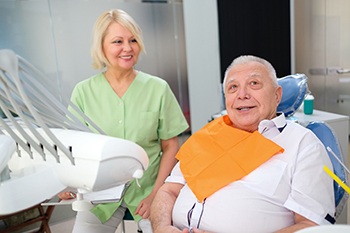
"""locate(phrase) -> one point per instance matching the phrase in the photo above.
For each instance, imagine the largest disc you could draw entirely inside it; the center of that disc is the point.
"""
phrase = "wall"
(260, 28)
(203, 62)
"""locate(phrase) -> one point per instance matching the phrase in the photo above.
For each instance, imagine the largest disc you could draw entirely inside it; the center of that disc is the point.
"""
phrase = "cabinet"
(340, 125)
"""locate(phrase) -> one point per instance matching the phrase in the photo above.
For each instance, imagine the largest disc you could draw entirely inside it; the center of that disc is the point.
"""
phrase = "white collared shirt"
(265, 199)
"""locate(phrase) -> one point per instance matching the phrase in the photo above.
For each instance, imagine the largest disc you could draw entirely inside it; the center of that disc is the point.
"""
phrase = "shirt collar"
(274, 126)
(280, 121)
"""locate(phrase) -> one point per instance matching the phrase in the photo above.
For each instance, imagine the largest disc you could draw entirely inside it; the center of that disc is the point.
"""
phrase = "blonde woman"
(133, 105)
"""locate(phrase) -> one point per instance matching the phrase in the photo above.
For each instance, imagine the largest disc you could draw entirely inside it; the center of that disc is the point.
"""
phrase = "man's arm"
(162, 206)
(300, 223)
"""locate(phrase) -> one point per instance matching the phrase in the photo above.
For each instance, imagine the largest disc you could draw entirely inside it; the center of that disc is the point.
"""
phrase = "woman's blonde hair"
(100, 29)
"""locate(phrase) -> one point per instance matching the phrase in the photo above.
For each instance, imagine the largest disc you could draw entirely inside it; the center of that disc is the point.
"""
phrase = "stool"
(43, 217)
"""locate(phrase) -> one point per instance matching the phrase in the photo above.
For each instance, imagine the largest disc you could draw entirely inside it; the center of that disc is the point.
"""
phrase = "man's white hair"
(244, 59)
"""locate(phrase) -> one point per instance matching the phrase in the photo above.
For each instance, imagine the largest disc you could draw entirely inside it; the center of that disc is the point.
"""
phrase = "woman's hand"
(144, 207)
(67, 195)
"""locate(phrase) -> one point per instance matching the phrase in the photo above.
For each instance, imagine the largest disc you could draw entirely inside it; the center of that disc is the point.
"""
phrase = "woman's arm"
(167, 163)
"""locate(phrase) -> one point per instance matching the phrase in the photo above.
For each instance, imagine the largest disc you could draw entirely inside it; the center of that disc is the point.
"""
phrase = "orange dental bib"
(219, 154)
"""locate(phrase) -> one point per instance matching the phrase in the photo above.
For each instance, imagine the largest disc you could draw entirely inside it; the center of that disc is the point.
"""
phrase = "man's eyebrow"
(252, 75)
(228, 81)
(255, 75)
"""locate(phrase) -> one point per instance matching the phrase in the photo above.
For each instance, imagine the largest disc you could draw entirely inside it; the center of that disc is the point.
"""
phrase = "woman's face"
(120, 47)
(251, 95)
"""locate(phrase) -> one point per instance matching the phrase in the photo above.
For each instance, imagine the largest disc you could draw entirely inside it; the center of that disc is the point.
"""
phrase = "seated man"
(250, 170)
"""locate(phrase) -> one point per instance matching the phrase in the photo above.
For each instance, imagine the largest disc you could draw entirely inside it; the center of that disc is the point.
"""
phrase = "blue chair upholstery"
(325, 133)
(294, 92)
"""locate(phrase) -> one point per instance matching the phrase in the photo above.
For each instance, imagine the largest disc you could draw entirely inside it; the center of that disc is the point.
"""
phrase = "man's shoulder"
(299, 129)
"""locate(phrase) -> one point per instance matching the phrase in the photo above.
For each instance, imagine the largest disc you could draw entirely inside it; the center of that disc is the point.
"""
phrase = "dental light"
(45, 148)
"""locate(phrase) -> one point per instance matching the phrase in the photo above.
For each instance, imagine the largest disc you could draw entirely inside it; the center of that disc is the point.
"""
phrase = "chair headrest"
(295, 90)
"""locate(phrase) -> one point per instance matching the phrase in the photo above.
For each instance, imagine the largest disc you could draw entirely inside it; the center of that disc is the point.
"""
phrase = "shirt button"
(120, 121)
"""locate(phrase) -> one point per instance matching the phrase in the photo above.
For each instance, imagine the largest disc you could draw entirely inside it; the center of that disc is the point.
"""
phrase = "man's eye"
(232, 88)
(256, 85)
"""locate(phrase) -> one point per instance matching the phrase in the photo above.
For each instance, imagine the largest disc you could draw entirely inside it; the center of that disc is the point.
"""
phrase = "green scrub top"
(147, 112)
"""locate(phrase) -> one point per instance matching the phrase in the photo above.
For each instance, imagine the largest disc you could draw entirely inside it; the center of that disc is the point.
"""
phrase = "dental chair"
(50, 148)
(295, 90)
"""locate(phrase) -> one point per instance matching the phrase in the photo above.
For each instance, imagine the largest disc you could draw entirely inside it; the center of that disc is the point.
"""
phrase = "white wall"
(203, 61)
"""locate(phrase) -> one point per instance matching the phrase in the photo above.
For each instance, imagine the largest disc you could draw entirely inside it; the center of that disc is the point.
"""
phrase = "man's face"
(251, 95)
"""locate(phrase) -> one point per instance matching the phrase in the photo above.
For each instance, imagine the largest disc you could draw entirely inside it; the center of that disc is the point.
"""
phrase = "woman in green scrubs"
(133, 105)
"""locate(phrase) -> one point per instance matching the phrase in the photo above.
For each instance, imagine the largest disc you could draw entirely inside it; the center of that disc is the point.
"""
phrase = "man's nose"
(243, 93)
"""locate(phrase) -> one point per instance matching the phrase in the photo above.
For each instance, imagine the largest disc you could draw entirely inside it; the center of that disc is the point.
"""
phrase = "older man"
(250, 170)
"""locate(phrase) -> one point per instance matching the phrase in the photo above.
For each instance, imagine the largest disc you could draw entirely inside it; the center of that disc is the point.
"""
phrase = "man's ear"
(278, 94)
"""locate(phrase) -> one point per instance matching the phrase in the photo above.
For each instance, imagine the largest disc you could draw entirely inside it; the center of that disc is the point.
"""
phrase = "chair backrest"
(329, 139)
(295, 90)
